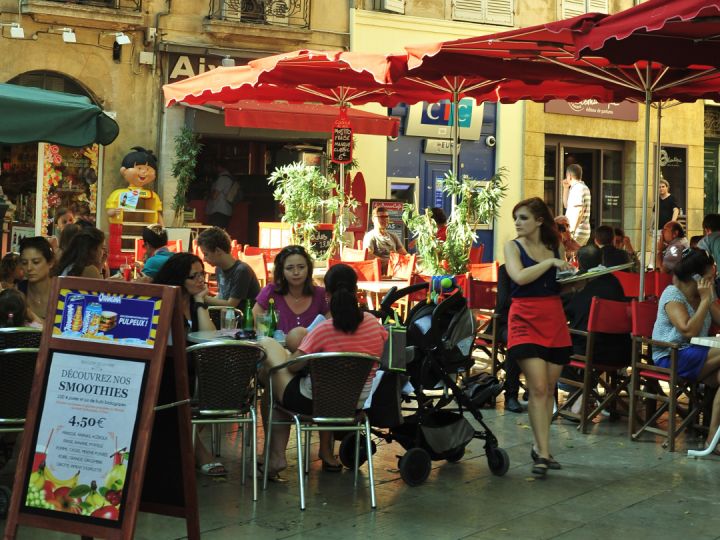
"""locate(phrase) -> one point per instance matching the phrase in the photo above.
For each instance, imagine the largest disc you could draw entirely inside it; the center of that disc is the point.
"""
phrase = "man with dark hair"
(711, 241)
(379, 241)
(670, 246)
(576, 196)
(577, 308)
(236, 280)
(156, 251)
(611, 256)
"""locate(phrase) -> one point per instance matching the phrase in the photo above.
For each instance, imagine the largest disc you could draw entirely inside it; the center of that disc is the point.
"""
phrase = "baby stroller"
(439, 345)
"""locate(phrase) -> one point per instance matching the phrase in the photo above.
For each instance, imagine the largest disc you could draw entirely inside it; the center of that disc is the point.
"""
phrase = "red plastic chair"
(402, 266)
(606, 317)
(630, 282)
(476, 254)
(258, 263)
(235, 249)
(484, 271)
(646, 378)
(662, 280)
(270, 253)
(365, 270)
(352, 255)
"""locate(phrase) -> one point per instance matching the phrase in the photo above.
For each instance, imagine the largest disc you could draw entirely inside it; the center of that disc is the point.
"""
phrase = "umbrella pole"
(656, 206)
(643, 218)
(341, 209)
(455, 135)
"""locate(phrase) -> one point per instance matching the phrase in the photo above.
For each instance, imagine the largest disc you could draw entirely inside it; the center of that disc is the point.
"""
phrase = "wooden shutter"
(396, 6)
(468, 10)
(598, 6)
(500, 12)
(572, 8)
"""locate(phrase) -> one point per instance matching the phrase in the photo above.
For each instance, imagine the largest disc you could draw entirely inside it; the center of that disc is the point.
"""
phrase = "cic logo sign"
(443, 113)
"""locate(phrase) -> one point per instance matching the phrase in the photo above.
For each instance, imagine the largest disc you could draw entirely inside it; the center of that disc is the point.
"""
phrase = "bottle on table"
(272, 319)
(248, 320)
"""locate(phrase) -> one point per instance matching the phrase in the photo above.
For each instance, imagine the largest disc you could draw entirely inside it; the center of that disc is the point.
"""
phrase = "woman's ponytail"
(341, 284)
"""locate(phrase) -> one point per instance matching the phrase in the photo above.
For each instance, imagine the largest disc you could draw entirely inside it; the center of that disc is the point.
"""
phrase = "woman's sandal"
(273, 476)
(331, 467)
(541, 467)
(552, 462)
(213, 469)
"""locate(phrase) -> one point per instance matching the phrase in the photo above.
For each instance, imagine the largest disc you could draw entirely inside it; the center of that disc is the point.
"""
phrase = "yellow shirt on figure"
(147, 200)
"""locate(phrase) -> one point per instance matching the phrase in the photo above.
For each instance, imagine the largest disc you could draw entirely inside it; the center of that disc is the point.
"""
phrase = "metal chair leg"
(243, 458)
(357, 454)
(301, 474)
(371, 474)
(253, 438)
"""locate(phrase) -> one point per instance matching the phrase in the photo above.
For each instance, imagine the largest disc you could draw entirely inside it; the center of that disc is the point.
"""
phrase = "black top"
(545, 285)
(612, 256)
(667, 206)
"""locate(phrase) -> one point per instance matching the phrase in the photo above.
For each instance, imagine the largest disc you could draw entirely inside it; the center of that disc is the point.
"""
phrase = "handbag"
(394, 356)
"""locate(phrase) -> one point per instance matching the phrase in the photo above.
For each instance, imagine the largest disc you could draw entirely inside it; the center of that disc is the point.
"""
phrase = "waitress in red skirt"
(538, 337)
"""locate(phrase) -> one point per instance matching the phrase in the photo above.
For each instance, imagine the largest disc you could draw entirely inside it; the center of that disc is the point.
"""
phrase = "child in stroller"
(439, 344)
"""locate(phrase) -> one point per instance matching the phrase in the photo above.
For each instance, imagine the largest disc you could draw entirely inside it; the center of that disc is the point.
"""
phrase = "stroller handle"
(395, 294)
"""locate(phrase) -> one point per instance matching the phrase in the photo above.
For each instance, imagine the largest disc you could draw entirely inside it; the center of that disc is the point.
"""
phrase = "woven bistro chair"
(17, 368)
(20, 336)
(225, 393)
(337, 381)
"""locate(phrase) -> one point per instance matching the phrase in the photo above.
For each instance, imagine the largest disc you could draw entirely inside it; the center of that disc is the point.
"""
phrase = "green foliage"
(306, 196)
(187, 148)
(477, 204)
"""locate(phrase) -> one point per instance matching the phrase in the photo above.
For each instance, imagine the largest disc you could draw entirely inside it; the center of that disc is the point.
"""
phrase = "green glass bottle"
(272, 318)
(248, 321)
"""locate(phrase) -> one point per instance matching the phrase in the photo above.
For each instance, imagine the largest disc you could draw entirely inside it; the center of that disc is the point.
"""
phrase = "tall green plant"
(477, 204)
(187, 148)
(306, 195)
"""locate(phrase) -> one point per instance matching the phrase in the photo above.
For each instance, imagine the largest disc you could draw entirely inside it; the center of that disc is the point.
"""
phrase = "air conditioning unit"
(396, 6)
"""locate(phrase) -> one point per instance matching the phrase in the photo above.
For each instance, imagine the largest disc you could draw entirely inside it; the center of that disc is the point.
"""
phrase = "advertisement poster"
(85, 435)
(107, 318)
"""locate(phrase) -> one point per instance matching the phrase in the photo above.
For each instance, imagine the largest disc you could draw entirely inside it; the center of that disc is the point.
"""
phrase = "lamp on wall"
(16, 31)
(122, 39)
(68, 35)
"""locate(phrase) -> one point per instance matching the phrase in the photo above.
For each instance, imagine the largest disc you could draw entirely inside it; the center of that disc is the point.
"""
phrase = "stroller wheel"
(347, 450)
(456, 456)
(498, 461)
(415, 466)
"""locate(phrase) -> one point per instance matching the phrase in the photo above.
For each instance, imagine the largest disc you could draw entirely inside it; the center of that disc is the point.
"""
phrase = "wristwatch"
(201, 305)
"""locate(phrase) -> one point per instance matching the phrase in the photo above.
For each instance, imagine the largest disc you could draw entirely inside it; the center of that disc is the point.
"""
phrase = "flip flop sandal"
(273, 476)
(213, 469)
(540, 468)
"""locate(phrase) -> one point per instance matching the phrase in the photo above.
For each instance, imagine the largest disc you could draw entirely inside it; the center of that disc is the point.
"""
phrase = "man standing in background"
(218, 209)
(576, 196)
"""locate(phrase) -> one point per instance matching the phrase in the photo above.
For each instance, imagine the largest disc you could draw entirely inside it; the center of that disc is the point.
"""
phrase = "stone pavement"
(609, 488)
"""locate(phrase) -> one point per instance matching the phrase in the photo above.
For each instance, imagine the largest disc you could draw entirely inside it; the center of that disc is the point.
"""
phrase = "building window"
(498, 12)
(573, 8)
(395, 6)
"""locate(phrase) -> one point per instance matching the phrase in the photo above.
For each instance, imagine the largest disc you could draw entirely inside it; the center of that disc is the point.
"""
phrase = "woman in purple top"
(297, 300)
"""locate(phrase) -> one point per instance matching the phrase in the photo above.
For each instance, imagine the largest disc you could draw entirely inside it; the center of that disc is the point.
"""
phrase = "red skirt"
(538, 321)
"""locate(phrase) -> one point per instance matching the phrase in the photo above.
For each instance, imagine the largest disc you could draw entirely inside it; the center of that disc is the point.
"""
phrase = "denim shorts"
(691, 360)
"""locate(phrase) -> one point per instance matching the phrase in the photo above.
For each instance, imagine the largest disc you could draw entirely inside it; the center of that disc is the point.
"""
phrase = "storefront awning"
(305, 117)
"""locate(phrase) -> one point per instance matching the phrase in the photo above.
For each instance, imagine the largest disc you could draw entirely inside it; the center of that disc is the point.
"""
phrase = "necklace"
(296, 299)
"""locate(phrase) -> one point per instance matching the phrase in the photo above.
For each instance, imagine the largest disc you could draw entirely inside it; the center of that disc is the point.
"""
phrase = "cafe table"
(376, 290)
(707, 341)
(206, 336)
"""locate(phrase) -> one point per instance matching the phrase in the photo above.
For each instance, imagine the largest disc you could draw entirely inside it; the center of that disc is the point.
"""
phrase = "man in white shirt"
(576, 196)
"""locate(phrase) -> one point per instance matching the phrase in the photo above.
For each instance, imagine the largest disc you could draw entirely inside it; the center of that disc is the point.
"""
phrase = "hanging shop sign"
(342, 135)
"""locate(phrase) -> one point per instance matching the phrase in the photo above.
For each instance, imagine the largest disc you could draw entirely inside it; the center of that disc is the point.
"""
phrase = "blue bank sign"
(436, 119)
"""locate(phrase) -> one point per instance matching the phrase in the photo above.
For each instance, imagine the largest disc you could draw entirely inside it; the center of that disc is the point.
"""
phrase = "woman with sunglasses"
(685, 310)
(185, 270)
(297, 300)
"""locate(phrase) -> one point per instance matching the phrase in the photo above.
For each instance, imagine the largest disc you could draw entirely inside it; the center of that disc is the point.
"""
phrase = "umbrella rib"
(693, 77)
(603, 76)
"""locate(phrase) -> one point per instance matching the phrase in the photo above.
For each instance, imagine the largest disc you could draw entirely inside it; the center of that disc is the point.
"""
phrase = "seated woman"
(297, 300)
(36, 259)
(14, 310)
(349, 330)
(685, 310)
(186, 271)
(84, 255)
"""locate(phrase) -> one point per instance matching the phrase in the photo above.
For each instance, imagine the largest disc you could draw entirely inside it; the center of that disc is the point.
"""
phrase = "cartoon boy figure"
(138, 169)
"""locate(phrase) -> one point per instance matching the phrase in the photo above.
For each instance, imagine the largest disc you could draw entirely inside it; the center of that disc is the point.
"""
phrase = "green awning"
(34, 115)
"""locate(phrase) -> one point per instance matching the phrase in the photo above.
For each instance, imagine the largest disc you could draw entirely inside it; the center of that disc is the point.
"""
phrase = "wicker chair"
(17, 368)
(337, 382)
(21, 336)
(225, 394)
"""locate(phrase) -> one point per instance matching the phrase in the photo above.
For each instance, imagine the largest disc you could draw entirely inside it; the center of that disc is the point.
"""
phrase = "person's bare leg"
(710, 375)
(326, 451)
(536, 378)
(294, 337)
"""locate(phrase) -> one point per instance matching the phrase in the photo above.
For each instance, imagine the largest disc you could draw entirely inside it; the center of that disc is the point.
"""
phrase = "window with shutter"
(396, 6)
(484, 11)
(598, 6)
(573, 8)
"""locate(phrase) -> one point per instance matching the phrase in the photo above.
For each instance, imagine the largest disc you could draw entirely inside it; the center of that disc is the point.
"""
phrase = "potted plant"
(187, 148)
(307, 196)
(477, 204)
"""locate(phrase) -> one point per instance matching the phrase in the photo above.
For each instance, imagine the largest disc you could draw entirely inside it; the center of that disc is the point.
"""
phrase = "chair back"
(20, 337)
(643, 317)
(369, 270)
(17, 369)
(235, 249)
(226, 372)
(482, 295)
(402, 266)
(484, 271)
(258, 263)
(662, 280)
(350, 254)
(338, 380)
(476, 254)
(175, 246)
(270, 253)
(609, 317)
(630, 282)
